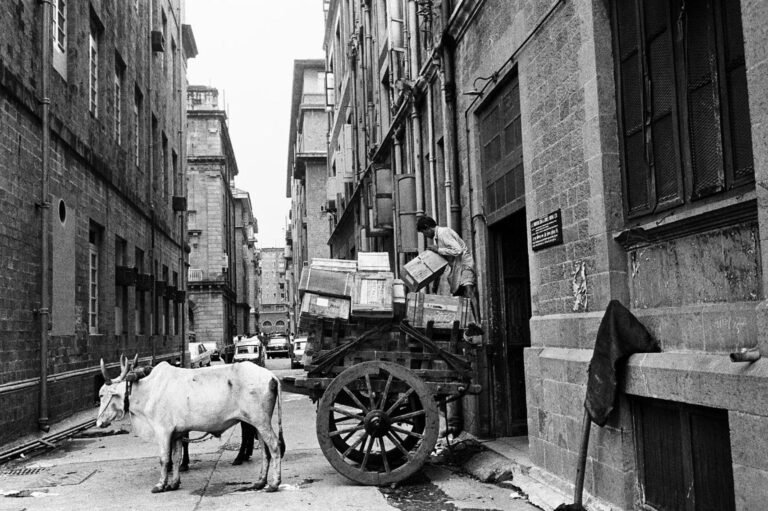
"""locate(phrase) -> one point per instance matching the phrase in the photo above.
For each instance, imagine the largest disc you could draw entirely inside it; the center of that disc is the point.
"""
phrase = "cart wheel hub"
(377, 423)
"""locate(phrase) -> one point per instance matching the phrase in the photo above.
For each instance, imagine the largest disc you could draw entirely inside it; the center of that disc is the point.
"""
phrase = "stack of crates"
(326, 287)
(372, 296)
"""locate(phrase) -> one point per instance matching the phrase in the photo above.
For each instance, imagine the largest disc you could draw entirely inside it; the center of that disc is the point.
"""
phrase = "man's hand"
(433, 248)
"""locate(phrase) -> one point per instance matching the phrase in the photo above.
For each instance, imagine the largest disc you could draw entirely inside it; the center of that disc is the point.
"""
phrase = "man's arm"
(452, 244)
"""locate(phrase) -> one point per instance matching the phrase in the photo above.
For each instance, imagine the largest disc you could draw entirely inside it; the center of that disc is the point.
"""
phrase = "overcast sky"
(246, 50)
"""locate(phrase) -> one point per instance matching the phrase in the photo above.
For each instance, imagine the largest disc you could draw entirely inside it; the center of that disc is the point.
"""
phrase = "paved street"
(109, 469)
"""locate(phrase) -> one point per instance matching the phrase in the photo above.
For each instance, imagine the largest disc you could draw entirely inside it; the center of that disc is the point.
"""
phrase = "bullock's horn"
(135, 362)
(107, 379)
(124, 367)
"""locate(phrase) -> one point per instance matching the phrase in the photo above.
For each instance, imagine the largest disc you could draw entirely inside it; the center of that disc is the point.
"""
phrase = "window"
(502, 149)
(121, 291)
(165, 318)
(164, 163)
(174, 71)
(118, 100)
(174, 171)
(60, 37)
(165, 38)
(93, 279)
(176, 306)
(684, 456)
(140, 306)
(93, 74)
(682, 97)
(137, 99)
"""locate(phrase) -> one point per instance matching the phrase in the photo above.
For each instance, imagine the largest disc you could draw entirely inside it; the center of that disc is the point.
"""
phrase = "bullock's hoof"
(158, 488)
(238, 461)
(184, 468)
(259, 485)
(173, 486)
(271, 488)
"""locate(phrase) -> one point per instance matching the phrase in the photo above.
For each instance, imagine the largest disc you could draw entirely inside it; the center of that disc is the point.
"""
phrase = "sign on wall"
(547, 231)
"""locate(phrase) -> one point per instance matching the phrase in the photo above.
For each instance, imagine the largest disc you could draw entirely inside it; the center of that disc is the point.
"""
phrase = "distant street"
(112, 469)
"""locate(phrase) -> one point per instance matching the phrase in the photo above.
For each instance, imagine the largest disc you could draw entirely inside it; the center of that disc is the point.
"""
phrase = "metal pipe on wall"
(415, 117)
(181, 185)
(45, 205)
(452, 185)
(432, 159)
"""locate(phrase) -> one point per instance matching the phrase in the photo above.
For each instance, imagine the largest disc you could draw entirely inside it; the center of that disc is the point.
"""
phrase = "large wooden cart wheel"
(377, 423)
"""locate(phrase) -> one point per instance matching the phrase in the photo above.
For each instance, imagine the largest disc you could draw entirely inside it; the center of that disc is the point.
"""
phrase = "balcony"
(194, 275)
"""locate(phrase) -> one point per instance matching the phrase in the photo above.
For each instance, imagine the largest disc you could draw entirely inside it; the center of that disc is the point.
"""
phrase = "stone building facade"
(215, 257)
(312, 209)
(91, 191)
(274, 317)
(246, 228)
(635, 129)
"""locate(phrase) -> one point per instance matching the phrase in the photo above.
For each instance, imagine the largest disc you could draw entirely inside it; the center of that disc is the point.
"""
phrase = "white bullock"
(166, 402)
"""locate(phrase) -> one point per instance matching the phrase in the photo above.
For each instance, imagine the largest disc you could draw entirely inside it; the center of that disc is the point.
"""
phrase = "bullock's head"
(112, 393)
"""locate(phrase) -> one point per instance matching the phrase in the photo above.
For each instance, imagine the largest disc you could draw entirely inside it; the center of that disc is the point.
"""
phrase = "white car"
(199, 356)
(250, 350)
(297, 353)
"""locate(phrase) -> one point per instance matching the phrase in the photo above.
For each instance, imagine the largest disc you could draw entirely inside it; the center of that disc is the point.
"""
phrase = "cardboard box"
(373, 295)
(443, 310)
(373, 261)
(423, 269)
(314, 307)
(326, 282)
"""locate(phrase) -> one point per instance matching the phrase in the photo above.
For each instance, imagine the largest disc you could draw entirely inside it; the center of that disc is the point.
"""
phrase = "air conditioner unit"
(225, 260)
(330, 206)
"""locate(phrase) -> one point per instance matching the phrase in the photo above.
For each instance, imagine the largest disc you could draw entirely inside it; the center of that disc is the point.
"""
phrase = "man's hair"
(424, 223)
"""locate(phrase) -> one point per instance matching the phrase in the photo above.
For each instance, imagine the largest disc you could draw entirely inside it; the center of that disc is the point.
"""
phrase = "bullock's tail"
(280, 439)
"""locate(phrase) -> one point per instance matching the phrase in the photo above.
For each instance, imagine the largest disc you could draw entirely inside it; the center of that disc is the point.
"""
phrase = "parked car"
(278, 347)
(213, 347)
(199, 356)
(250, 350)
(297, 353)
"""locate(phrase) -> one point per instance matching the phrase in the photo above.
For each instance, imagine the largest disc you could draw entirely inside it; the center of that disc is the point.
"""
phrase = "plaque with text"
(547, 231)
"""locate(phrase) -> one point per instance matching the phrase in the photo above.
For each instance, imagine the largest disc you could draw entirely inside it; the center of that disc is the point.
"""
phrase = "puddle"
(20, 494)
(420, 494)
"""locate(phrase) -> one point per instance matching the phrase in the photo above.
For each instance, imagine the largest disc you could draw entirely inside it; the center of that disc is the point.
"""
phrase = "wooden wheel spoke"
(356, 400)
(347, 414)
(406, 432)
(386, 391)
(384, 455)
(395, 441)
(370, 390)
(353, 446)
(400, 401)
(346, 430)
(367, 453)
(402, 418)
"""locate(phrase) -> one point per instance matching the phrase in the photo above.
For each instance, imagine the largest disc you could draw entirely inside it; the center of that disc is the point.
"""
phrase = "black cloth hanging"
(620, 335)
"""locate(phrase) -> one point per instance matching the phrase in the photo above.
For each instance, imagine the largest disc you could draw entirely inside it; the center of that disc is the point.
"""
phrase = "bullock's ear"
(131, 377)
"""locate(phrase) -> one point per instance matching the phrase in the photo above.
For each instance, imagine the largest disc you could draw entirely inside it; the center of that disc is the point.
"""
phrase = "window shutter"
(661, 118)
(738, 105)
(637, 179)
(703, 101)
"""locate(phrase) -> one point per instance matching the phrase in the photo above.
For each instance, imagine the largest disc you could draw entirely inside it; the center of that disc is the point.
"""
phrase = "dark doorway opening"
(510, 293)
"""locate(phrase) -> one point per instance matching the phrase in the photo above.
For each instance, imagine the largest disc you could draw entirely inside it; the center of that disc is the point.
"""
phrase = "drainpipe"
(397, 168)
(370, 128)
(413, 48)
(452, 195)
(45, 205)
(181, 185)
(150, 184)
(432, 159)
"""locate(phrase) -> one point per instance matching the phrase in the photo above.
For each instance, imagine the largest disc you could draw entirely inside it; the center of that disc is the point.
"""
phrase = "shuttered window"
(684, 455)
(501, 150)
(682, 99)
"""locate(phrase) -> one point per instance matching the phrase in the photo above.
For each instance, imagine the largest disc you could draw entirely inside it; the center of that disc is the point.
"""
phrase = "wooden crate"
(442, 310)
(334, 264)
(373, 261)
(315, 307)
(372, 295)
(423, 269)
(326, 282)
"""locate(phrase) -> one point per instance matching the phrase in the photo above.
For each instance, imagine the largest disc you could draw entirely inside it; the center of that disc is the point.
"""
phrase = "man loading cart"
(462, 278)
